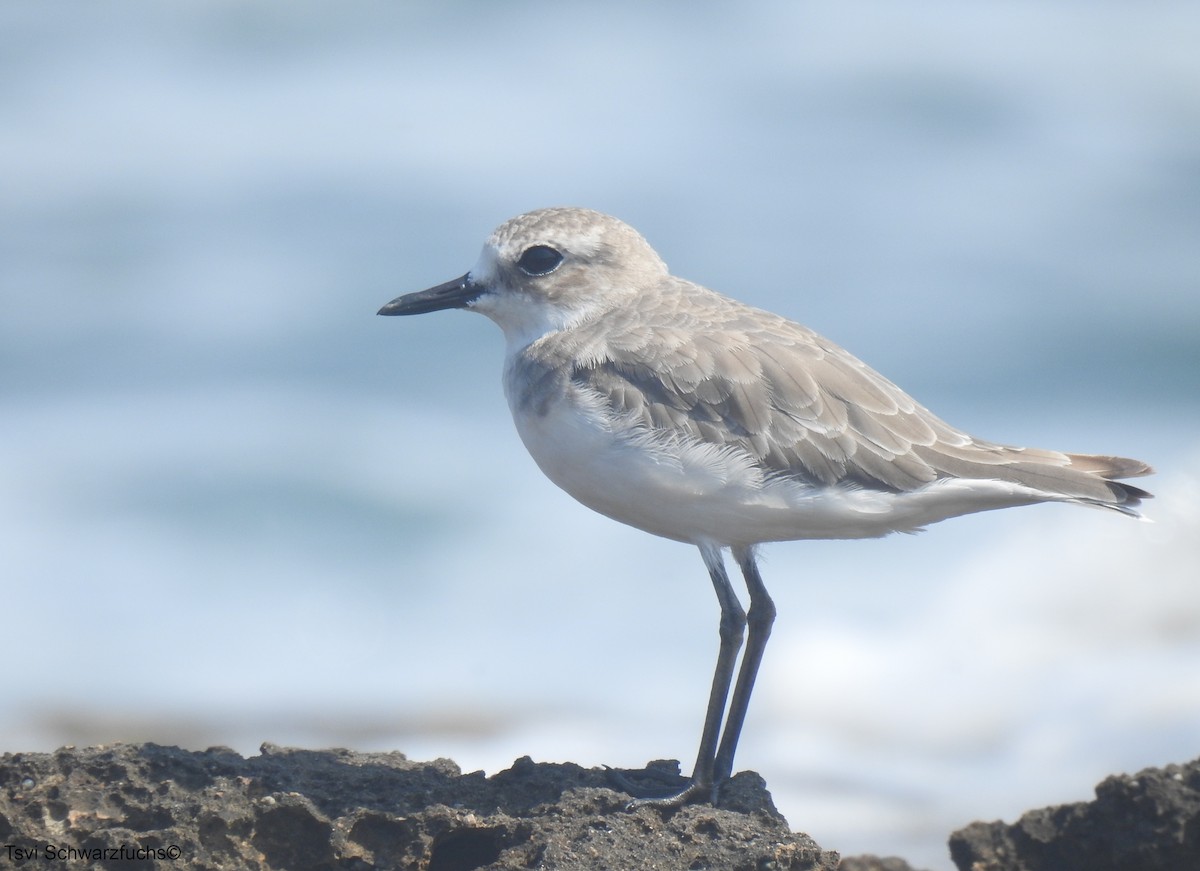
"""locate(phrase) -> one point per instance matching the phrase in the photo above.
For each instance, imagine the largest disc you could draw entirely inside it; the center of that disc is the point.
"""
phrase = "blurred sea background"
(237, 506)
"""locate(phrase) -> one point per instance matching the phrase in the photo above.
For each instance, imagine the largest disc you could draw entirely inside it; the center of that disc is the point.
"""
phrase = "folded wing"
(803, 407)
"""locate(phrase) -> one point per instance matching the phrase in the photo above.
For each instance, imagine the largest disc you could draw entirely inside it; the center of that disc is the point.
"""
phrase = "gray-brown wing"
(792, 406)
(804, 407)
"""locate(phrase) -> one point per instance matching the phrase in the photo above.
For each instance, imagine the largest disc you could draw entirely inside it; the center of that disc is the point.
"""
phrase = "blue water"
(236, 506)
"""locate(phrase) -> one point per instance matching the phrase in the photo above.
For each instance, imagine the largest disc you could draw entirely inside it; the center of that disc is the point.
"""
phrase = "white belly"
(696, 492)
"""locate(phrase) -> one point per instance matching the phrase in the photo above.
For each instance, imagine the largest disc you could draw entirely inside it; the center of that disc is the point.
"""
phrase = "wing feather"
(800, 406)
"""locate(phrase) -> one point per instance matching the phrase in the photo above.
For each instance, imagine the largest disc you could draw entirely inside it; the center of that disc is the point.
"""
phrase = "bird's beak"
(458, 293)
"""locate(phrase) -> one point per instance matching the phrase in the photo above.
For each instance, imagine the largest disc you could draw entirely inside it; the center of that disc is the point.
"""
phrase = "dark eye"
(539, 260)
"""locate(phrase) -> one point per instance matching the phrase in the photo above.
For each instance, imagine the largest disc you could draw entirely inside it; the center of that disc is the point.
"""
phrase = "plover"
(695, 417)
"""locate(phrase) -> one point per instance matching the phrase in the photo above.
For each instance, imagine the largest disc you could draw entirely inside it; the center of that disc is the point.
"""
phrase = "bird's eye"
(539, 260)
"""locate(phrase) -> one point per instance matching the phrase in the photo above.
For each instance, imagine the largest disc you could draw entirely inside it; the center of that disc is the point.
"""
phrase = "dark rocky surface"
(143, 806)
(146, 806)
(1149, 821)
(874, 863)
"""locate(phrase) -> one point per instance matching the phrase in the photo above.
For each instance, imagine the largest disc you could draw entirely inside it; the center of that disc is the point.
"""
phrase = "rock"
(147, 806)
(874, 863)
(1147, 822)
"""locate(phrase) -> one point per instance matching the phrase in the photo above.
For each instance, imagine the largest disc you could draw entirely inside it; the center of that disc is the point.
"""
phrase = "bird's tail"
(1086, 479)
(1111, 471)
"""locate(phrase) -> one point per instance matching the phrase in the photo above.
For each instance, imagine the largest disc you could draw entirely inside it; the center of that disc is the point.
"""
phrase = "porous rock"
(146, 806)
(1149, 821)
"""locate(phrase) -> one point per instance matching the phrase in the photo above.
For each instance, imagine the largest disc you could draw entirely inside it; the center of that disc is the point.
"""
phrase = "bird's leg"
(759, 618)
(732, 629)
(733, 626)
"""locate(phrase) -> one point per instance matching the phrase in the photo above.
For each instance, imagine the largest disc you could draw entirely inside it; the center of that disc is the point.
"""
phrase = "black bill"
(453, 294)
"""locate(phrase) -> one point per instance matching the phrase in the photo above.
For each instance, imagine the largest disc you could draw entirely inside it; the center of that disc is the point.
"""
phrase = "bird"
(698, 418)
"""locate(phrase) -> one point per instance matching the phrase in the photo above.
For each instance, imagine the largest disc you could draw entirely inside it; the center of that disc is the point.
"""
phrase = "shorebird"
(693, 416)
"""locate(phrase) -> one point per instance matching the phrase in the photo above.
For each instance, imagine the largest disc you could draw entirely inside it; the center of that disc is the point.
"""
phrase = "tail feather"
(1126, 497)
(1087, 479)
(1110, 468)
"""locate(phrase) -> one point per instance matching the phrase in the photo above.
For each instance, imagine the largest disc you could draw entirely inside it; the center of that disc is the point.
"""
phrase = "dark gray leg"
(759, 618)
(733, 626)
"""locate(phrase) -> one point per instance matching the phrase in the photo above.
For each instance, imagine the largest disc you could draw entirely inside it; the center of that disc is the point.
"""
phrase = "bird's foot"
(693, 791)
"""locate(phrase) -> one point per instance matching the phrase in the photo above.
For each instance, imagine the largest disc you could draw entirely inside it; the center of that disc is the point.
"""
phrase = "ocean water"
(236, 506)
